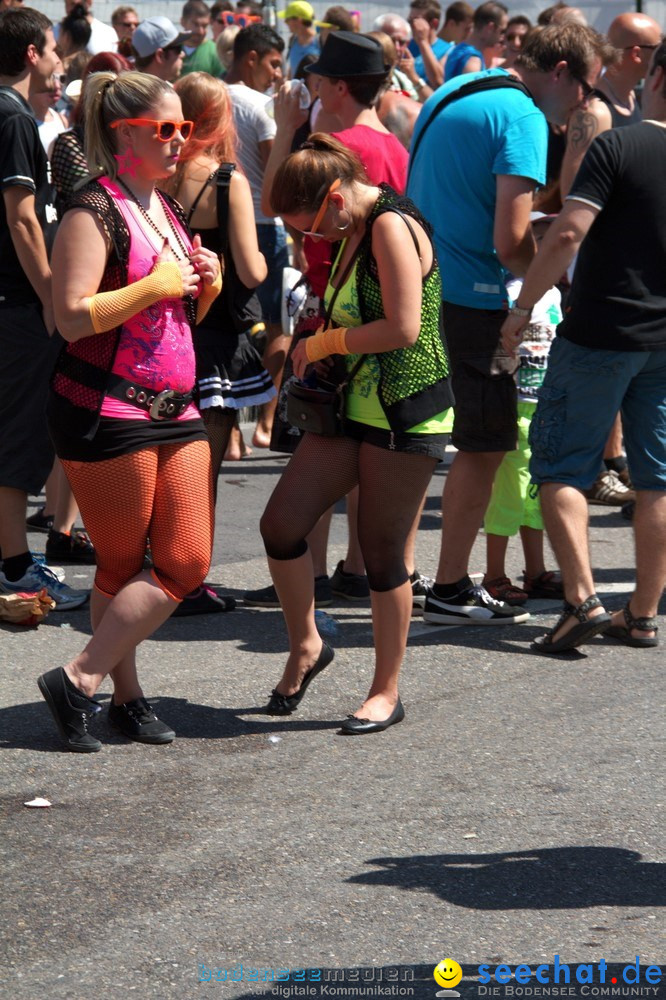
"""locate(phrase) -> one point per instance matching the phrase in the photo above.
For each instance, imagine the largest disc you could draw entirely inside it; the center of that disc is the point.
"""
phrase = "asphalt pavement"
(515, 815)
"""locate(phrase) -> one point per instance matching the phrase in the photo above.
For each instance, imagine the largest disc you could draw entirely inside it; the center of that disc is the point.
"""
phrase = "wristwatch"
(515, 311)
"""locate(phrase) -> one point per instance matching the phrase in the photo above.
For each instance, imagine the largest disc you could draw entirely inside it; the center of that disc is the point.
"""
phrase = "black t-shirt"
(23, 163)
(618, 295)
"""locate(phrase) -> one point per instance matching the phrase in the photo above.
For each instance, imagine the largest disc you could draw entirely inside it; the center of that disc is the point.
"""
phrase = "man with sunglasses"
(158, 48)
(200, 51)
(125, 21)
(613, 103)
(478, 162)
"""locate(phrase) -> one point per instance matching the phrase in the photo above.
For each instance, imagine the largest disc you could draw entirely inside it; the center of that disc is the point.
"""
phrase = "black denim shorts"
(428, 445)
(482, 376)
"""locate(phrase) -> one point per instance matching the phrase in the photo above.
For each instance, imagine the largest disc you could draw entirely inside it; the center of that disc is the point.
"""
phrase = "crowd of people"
(450, 227)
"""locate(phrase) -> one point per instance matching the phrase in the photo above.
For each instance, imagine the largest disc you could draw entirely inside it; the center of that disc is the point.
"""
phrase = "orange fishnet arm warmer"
(208, 295)
(326, 342)
(109, 309)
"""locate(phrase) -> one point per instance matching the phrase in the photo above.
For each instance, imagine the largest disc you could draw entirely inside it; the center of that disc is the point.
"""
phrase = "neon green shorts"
(513, 505)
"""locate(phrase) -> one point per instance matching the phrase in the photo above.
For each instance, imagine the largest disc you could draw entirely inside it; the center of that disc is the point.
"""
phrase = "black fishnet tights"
(219, 423)
(321, 472)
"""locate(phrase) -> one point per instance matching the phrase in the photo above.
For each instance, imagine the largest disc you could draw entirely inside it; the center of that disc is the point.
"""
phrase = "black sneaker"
(352, 586)
(472, 606)
(70, 709)
(73, 549)
(39, 521)
(420, 587)
(267, 597)
(204, 601)
(137, 721)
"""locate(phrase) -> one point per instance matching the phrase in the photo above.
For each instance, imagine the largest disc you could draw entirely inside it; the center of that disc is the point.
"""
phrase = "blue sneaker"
(41, 578)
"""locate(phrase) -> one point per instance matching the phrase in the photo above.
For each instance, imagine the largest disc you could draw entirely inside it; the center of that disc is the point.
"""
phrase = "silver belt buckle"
(159, 408)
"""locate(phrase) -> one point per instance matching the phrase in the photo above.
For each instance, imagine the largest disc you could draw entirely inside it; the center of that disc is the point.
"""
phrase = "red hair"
(206, 102)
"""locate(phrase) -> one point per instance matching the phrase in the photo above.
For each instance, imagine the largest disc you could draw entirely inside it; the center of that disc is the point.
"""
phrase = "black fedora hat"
(347, 54)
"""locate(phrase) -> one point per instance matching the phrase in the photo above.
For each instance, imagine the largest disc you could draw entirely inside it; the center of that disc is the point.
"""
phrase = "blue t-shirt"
(439, 47)
(297, 52)
(453, 181)
(457, 60)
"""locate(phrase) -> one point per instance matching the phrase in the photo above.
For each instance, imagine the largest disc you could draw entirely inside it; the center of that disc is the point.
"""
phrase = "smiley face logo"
(447, 973)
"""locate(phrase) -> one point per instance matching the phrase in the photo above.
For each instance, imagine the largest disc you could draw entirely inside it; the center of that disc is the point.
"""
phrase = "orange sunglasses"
(322, 209)
(164, 130)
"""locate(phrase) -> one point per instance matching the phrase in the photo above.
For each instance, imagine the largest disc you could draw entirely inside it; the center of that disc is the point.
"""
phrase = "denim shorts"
(273, 244)
(582, 393)
(428, 445)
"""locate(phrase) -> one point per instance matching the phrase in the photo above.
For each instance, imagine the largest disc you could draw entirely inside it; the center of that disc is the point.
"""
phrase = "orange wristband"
(328, 342)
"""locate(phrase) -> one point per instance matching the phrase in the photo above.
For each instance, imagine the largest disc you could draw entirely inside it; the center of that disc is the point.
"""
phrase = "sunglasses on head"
(242, 20)
(316, 222)
(164, 130)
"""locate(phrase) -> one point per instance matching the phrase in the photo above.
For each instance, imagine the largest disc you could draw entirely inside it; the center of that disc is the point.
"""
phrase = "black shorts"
(27, 357)
(485, 413)
(428, 445)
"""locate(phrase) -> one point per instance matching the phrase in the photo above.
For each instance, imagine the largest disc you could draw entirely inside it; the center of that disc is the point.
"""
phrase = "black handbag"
(320, 409)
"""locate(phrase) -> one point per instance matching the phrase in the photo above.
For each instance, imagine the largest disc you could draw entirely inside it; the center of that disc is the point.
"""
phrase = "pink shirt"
(155, 349)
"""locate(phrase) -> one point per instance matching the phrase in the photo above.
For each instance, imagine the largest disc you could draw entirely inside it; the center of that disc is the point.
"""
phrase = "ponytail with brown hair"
(304, 178)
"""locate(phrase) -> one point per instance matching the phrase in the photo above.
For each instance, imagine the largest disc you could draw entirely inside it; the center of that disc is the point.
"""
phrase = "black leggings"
(321, 472)
(219, 424)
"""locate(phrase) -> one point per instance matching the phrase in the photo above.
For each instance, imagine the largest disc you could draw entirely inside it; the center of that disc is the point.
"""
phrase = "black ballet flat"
(358, 727)
(285, 704)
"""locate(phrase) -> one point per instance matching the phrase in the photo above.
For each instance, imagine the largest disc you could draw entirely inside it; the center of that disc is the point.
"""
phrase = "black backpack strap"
(473, 87)
(224, 173)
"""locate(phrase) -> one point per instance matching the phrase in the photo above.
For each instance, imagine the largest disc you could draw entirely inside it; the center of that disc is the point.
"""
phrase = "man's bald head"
(633, 29)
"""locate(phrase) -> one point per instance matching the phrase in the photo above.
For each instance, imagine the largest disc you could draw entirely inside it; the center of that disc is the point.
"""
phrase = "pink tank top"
(155, 349)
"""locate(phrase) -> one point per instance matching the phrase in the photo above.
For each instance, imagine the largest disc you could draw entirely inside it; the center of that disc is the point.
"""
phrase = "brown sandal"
(642, 624)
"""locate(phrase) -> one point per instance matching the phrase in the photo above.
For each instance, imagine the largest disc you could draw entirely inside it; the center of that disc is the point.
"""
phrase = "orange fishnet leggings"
(163, 493)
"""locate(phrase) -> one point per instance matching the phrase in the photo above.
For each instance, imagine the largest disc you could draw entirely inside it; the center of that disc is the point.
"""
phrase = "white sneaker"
(41, 578)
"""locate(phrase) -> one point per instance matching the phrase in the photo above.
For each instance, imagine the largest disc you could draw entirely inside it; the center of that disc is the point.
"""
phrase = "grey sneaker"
(40, 577)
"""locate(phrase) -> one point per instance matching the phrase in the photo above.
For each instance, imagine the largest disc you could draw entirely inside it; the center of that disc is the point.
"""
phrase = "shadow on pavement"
(542, 879)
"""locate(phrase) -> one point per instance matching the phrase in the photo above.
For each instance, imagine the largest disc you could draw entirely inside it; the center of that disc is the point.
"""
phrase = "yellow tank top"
(361, 399)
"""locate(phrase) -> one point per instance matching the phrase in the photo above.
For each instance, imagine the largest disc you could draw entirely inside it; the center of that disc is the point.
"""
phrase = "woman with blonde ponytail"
(129, 284)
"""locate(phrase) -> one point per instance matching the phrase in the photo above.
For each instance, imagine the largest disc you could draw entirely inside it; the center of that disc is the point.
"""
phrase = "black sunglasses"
(587, 89)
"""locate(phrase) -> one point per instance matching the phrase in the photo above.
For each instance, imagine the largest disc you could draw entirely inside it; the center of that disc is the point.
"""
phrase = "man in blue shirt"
(488, 27)
(428, 50)
(473, 176)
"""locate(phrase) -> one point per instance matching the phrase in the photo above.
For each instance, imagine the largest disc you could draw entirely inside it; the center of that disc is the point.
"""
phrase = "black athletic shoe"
(204, 601)
(70, 549)
(472, 606)
(39, 521)
(137, 721)
(267, 597)
(70, 709)
(420, 588)
(351, 586)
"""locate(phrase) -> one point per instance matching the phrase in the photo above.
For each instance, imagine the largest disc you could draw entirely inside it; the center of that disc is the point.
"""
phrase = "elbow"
(71, 325)
(253, 274)
(408, 334)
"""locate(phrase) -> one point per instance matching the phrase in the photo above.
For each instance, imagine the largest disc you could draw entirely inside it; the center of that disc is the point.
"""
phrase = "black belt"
(158, 405)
